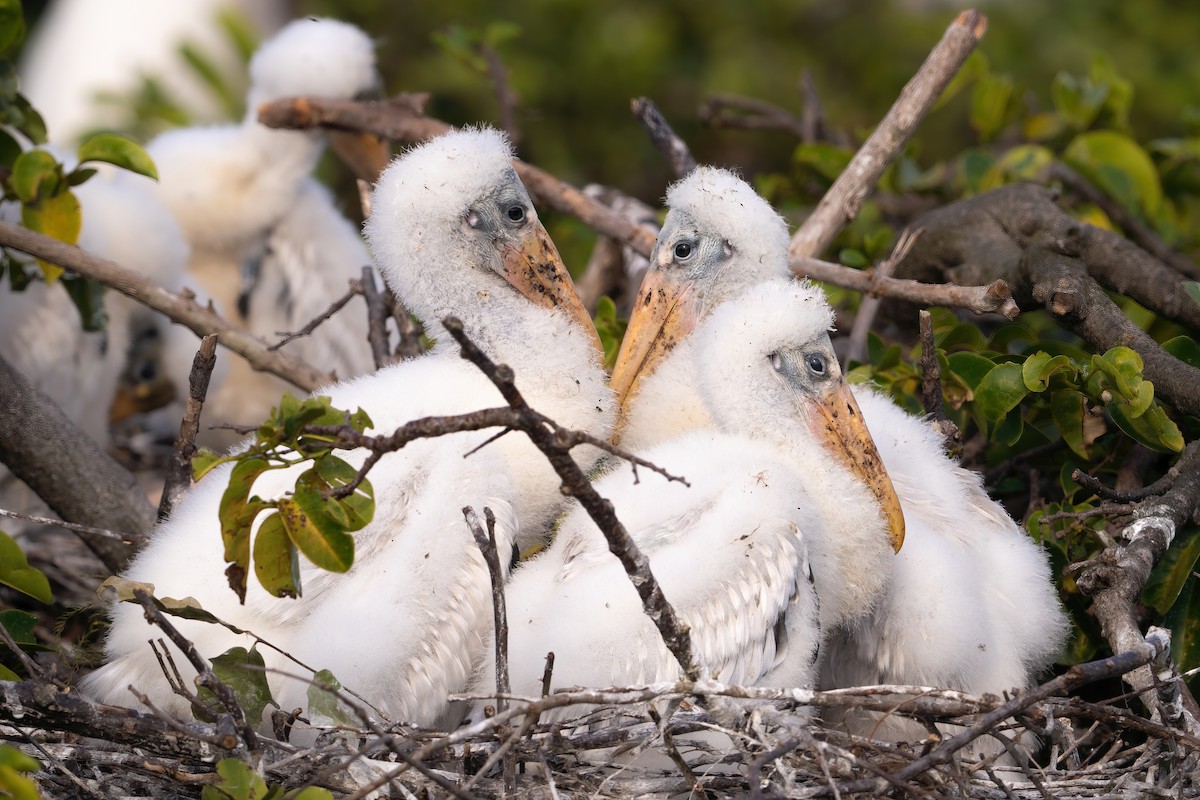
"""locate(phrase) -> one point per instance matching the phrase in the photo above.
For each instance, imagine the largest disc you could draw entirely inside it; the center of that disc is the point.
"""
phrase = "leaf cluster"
(313, 518)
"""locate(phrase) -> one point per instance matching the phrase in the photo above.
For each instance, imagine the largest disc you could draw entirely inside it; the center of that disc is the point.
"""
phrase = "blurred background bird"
(269, 245)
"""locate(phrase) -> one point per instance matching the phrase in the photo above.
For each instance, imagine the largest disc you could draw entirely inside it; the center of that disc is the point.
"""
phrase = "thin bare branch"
(664, 139)
(181, 308)
(316, 322)
(179, 467)
(844, 199)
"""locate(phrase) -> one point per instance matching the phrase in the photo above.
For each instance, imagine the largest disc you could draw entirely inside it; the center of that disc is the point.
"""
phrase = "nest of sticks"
(691, 738)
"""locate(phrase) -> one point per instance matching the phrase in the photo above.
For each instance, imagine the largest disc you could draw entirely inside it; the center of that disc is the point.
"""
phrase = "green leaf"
(971, 367)
(852, 257)
(826, 160)
(19, 625)
(58, 216)
(1000, 391)
(121, 589)
(1193, 290)
(1184, 348)
(244, 671)
(237, 513)
(276, 562)
(1077, 101)
(13, 784)
(237, 782)
(12, 24)
(1068, 408)
(204, 462)
(1023, 163)
(1119, 166)
(80, 176)
(1153, 428)
(7, 674)
(16, 573)
(310, 529)
(34, 174)
(324, 707)
(1038, 368)
(991, 102)
(122, 151)
(13, 758)
(1172, 572)
(1183, 620)
(359, 506)
(88, 297)
(610, 328)
(10, 148)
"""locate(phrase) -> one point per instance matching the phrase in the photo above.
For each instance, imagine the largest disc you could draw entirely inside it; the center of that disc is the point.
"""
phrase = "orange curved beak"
(839, 425)
(534, 268)
(663, 315)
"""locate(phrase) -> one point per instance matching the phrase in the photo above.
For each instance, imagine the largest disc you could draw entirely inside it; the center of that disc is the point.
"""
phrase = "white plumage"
(971, 604)
(269, 244)
(733, 551)
(455, 232)
(41, 333)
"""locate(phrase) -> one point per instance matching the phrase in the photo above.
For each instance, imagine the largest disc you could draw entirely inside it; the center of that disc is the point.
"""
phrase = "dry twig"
(179, 468)
(181, 308)
(664, 139)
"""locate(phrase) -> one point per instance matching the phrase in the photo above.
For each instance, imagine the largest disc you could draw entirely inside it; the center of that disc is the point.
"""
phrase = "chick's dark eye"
(683, 250)
(516, 213)
(816, 363)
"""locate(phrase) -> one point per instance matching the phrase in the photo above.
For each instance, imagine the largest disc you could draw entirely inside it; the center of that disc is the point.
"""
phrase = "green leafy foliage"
(318, 516)
(244, 672)
(324, 707)
(611, 329)
(19, 625)
(13, 763)
(238, 781)
(16, 573)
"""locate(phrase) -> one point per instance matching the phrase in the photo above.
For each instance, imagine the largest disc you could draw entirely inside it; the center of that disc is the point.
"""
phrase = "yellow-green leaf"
(34, 174)
(276, 564)
(58, 216)
(324, 707)
(1067, 409)
(16, 573)
(122, 151)
(12, 24)
(1038, 368)
(1120, 166)
(237, 782)
(310, 530)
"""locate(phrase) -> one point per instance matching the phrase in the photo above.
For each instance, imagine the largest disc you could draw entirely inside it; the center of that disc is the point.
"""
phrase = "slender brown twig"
(316, 322)
(179, 467)
(664, 139)
(844, 199)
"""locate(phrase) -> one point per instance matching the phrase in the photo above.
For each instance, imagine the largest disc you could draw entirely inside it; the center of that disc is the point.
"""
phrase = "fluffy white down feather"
(270, 246)
(770, 544)
(41, 333)
(971, 604)
(404, 626)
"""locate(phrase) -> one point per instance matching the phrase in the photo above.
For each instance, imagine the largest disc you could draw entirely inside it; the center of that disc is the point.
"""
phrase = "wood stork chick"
(455, 232)
(971, 604)
(42, 335)
(269, 245)
(781, 535)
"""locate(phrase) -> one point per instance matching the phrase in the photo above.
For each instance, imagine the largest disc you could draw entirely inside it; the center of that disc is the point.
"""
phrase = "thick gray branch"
(69, 470)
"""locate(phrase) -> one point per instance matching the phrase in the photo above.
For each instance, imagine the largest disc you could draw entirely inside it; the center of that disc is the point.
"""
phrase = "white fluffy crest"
(766, 316)
(312, 56)
(718, 200)
(424, 194)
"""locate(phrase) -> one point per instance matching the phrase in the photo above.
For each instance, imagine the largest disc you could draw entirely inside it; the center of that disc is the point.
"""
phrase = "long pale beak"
(364, 153)
(663, 315)
(535, 269)
(840, 428)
